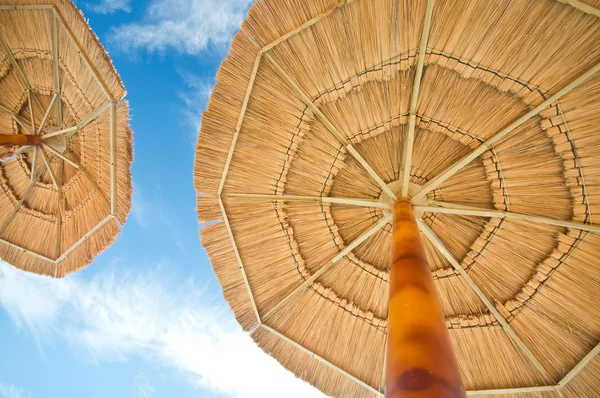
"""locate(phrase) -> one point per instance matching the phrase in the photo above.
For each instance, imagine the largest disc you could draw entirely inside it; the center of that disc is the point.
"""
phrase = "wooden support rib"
(15, 211)
(320, 199)
(238, 126)
(453, 169)
(27, 251)
(17, 118)
(518, 390)
(20, 122)
(306, 25)
(84, 238)
(410, 137)
(439, 245)
(451, 208)
(46, 114)
(370, 171)
(580, 366)
(113, 159)
(19, 71)
(239, 259)
(88, 176)
(34, 164)
(23, 149)
(84, 122)
(582, 7)
(308, 282)
(320, 359)
(55, 71)
(31, 110)
(26, 7)
(47, 163)
(60, 206)
(340, 137)
(83, 56)
(61, 156)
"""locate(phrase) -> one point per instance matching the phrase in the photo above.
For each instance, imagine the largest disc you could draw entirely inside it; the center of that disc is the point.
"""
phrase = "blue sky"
(146, 318)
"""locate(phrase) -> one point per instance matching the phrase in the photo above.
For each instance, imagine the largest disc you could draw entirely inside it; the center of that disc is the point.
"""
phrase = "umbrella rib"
(580, 366)
(82, 54)
(451, 208)
(306, 25)
(555, 388)
(46, 114)
(453, 169)
(239, 259)
(59, 207)
(30, 110)
(55, 70)
(47, 163)
(320, 199)
(84, 238)
(351, 246)
(12, 215)
(19, 248)
(321, 359)
(87, 175)
(437, 242)
(238, 126)
(412, 119)
(113, 159)
(340, 137)
(61, 156)
(582, 7)
(19, 71)
(22, 122)
(517, 390)
(26, 7)
(34, 164)
(70, 131)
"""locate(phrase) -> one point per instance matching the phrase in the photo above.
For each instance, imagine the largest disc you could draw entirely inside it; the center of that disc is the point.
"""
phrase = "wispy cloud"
(10, 391)
(187, 26)
(143, 388)
(160, 318)
(195, 98)
(109, 6)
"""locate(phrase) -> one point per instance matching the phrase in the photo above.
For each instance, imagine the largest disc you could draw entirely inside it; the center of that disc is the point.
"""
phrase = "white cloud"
(195, 98)
(143, 388)
(10, 391)
(118, 315)
(187, 26)
(110, 6)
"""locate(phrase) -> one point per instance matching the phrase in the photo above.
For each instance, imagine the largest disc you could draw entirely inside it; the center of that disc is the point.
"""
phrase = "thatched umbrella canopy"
(485, 114)
(65, 179)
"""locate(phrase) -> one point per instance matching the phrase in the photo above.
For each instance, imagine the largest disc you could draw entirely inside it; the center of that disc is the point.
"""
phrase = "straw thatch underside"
(315, 100)
(59, 210)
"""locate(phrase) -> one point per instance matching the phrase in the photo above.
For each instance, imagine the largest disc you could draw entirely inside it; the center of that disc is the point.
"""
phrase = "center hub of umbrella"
(58, 142)
(396, 187)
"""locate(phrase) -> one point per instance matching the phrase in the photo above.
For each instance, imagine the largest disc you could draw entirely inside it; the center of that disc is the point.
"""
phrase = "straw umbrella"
(65, 136)
(333, 122)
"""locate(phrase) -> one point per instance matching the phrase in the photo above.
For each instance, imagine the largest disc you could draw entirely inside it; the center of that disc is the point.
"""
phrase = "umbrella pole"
(420, 360)
(19, 140)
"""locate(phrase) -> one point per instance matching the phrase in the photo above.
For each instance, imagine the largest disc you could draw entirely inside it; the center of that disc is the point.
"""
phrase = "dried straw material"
(61, 202)
(314, 102)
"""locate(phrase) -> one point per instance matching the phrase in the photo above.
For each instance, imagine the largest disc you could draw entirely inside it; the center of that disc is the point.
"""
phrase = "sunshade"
(484, 114)
(66, 185)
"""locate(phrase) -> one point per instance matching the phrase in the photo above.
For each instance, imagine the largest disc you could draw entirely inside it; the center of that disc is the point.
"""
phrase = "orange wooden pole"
(18, 140)
(420, 361)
